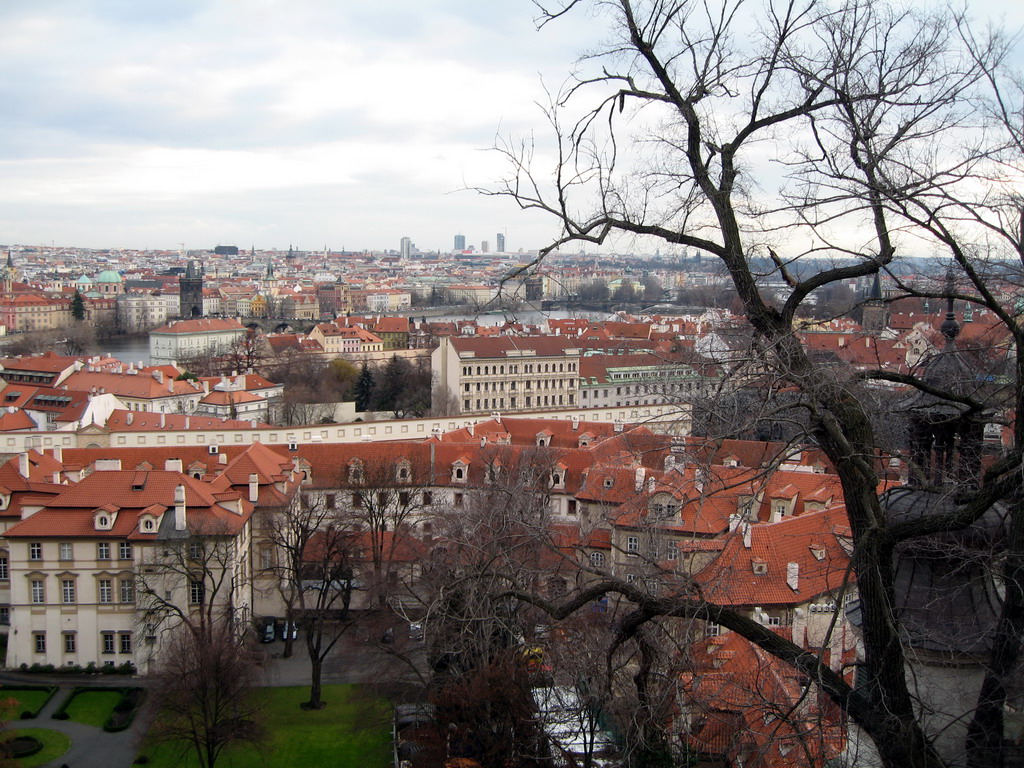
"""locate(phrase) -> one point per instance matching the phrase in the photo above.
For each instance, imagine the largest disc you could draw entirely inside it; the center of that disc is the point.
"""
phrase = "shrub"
(62, 715)
(26, 715)
(22, 746)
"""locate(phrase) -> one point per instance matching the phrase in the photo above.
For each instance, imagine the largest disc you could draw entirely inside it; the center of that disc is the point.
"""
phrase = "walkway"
(90, 747)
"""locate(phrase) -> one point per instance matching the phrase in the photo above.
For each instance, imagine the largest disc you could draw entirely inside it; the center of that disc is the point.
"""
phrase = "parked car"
(289, 627)
(265, 629)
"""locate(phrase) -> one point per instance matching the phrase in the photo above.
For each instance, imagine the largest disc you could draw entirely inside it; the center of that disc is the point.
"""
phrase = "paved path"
(90, 747)
(359, 657)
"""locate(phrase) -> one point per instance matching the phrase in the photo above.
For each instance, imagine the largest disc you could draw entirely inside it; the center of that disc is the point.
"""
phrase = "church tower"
(874, 313)
(946, 436)
(191, 285)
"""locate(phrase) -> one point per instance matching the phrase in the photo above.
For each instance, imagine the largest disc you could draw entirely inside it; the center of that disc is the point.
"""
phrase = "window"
(673, 551)
(597, 559)
(108, 642)
(67, 591)
(106, 591)
(196, 592)
(69, 643)
(403, 498)
(40, 640)
(126, 642)
(127, 591)
(572, 506)
(457, 499)
(35, 551)
(329, 500)
(632, 545)
(5, 615)
(103, 551)
(712, 630)
(357, 500)
(428, 498)
(266, 559)
(4, 573)
(195, 550)
(38, 591)
(124, 550)
(66, 551)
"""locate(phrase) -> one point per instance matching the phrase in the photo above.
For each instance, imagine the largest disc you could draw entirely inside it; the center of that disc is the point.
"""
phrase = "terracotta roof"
(200, 325)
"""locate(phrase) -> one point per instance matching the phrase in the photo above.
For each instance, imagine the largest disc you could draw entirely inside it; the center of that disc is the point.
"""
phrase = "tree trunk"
(315, 701)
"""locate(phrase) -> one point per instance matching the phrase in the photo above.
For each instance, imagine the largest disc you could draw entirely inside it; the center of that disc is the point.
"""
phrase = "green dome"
(108, 276)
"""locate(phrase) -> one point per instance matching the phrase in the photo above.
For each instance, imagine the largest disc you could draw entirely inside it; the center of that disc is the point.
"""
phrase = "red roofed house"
(102, 563)
(183, 339)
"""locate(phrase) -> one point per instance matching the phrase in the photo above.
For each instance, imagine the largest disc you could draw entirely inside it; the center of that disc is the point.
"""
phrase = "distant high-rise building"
(405, 247)
(460, 242)
(226, 250)
(500, 239)
(485, 246)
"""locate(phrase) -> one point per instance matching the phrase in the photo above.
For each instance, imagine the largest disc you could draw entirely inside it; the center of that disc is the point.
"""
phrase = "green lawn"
(28, 700)
(352, 731)
(54, 745)
(92, 707)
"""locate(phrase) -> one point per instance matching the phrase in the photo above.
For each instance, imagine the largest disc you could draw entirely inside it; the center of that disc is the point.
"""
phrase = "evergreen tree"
(365, 387)
(78, 306)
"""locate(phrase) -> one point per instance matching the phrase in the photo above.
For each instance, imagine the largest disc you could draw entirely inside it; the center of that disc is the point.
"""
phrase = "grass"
(54, 745)
(92, 707)
(28, 700)
(352, 731)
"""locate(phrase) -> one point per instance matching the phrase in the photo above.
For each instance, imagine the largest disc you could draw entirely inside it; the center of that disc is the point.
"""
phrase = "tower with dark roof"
(946, 435)
(191, 285)
(874, 314)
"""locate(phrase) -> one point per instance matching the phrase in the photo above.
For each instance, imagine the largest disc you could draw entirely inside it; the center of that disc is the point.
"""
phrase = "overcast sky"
(313, 123)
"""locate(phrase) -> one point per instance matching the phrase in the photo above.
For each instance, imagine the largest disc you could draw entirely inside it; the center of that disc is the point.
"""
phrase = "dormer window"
(402, 472)
(103, 520)
(355, 471)
(818, 550)
(760, 567)
(609, 482)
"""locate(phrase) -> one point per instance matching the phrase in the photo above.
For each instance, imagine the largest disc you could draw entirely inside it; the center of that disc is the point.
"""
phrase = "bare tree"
(314, 575)
(205, 689)
(193, 578)
(383, 501)
(803, 131)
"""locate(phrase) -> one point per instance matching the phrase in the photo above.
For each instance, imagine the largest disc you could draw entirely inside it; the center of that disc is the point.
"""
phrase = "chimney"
(793, 576)
(180, 515)
(471, 429)
(173, 465)
(617, 426)
(483, 441)
(222, 458)
(129, 418)
(746, 534)
(163, 420)
(187, 419)
(58, 453)
(254, 488)
(638, 481)
(23, 465)
(170, 384)
(107, 465)
(159, 376)
(575, 423)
